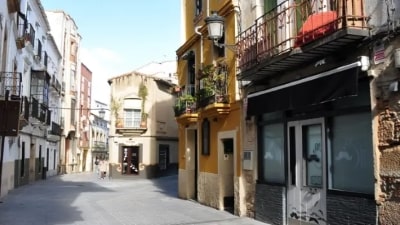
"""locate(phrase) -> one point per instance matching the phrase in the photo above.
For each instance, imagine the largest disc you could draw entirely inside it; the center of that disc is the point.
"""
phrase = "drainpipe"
(201, 46)
(208, 8)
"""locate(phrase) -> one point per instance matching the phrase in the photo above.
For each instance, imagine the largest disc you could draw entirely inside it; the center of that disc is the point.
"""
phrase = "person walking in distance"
(103, 169)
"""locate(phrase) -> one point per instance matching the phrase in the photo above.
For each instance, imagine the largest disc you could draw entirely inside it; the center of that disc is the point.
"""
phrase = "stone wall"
(209, 191)
(387, 127)
(250, 191)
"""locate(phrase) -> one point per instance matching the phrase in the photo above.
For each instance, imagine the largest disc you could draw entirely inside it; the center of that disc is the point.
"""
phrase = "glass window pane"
(273, 153)
(312, 147)
(351, 153)
(132, 118)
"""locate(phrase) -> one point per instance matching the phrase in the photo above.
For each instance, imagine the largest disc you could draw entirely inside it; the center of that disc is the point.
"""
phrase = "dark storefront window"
(351, 154)
(205, 133)
(272, 153)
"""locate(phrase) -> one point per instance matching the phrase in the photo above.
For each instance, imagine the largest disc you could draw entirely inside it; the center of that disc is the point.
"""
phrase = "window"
(45, 60)
(205, 133)
(39, 50)
(22, 168)
(132, 118)
(47, 158)
(72, 80)
(73, 106)
(54, 159)
(191, 76)
(228, 145)
(220, 51)
(132, 112)
(351, 155)
(163, 156)
(272, 153)
(40, 158)
(31, 35)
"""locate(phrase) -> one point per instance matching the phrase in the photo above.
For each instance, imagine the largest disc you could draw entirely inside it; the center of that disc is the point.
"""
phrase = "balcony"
(296, 33)
(10, 103)
(10, 82)
(55, 85)
(55, 129)
(185, 109)
(54, 133)
(39, 112)
(213, 98)
(131, 126)
(99, 147)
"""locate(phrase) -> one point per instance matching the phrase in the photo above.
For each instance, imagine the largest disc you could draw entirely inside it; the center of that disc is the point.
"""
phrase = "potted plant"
(184, 102)
(143, 122)
(213, 80)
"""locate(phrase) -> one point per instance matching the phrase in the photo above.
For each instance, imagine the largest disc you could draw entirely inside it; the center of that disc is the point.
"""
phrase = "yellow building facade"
(208, 109)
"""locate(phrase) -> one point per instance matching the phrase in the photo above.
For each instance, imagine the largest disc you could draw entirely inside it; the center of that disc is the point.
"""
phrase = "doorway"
(306, 195)
(130, 160)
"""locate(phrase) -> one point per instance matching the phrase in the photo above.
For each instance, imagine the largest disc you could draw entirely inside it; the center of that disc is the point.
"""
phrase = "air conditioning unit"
(248, 160)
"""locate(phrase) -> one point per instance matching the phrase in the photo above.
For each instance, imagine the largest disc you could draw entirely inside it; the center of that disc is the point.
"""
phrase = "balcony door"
(306, 196)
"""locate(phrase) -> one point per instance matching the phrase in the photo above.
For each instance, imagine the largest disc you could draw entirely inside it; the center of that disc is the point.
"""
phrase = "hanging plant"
(116, 105)
(143, 92)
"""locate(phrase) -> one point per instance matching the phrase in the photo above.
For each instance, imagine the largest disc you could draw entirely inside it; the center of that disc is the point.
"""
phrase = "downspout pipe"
(201, 45)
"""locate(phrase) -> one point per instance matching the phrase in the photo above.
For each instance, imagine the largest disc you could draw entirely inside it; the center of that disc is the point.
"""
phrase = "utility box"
(248, 160)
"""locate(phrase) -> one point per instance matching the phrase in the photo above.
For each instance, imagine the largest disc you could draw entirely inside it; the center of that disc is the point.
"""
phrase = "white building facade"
(67, 38)
(30, 77)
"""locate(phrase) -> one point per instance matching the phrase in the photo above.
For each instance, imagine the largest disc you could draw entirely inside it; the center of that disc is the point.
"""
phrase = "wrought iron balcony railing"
(295, 24)
(182, 107)
(99, 145)
(55, 129)
(34, 108)
(131, 123)
(11, 82)
(25, 108)
(211, 99)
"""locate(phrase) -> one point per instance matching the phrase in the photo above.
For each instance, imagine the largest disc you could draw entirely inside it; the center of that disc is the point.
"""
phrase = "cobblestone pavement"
(84, 199)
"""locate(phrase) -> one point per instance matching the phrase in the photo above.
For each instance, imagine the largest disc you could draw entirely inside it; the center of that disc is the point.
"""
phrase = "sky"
(120, 36)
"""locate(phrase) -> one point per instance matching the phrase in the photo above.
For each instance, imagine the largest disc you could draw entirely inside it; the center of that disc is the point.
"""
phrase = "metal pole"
(3, 137)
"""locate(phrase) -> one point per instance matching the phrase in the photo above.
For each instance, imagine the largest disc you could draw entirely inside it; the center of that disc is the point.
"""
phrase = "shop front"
(315, 154)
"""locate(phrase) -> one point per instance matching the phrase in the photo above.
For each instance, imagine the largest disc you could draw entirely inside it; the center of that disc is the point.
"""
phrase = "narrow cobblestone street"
(85, 199)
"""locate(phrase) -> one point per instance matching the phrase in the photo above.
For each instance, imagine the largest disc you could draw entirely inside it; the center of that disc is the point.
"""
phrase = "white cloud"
(102, 63)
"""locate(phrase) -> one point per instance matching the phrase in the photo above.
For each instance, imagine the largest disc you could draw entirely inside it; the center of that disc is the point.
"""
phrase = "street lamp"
(215, 26)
